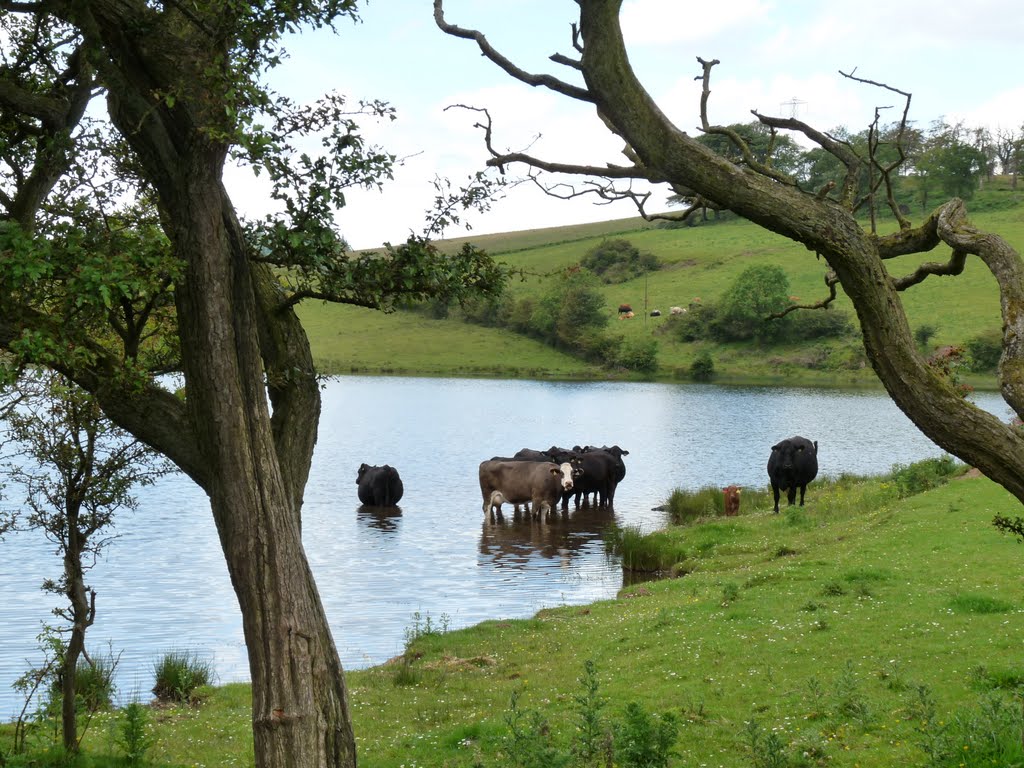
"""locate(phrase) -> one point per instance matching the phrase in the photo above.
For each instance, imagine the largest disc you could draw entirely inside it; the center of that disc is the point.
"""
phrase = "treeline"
(947, 160)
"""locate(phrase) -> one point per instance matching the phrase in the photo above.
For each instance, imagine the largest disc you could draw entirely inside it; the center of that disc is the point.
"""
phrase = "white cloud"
(670, 21)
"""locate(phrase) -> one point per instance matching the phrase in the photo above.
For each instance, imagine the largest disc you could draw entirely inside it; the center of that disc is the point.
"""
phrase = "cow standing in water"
(540, 483)
(379, 486)
(793, 464)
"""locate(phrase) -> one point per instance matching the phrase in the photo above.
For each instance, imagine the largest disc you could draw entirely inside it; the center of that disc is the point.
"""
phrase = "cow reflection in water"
(515, 540)
(384, 519)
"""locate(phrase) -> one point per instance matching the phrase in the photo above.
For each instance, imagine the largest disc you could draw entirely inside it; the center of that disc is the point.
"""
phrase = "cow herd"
(542, 481)
(547, 478)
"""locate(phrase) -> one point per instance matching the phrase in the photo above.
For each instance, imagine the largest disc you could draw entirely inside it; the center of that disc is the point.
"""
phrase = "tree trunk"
(300, 705)
(238, 350)
(81, 618)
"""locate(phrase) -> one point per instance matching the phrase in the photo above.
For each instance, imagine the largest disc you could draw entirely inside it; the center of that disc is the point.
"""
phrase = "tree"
(822, 221)
(77, 471)
(122, 259)
(948, 161)
(759, 291)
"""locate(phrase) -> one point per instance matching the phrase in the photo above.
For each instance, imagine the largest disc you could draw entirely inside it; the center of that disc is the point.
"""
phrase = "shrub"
(94, 686)
(643, 740)
(924, 475)
(758, 292)
(618, 260)
(133, 737)
(923, 334)
(640, 356)
(703, 367)
(818, 324)
(696, 323)
(984, 351)
(178, 674)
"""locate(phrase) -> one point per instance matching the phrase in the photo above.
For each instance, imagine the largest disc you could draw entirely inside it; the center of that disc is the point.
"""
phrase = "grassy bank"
(699, 262)
(855, 631)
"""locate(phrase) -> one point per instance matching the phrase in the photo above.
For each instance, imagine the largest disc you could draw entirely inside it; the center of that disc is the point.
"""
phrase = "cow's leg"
(791, 495)
(775, 493)
(802, 489)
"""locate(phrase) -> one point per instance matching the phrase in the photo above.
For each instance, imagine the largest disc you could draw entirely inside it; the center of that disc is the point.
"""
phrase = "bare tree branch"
(547, 81)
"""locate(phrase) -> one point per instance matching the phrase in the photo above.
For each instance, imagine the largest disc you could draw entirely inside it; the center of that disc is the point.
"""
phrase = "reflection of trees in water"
(382, 518)
(514, 540)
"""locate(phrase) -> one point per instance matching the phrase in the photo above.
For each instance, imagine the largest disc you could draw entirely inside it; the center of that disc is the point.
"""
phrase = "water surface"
(163, 584)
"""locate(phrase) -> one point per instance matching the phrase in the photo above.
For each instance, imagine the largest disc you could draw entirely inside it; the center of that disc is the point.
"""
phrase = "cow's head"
(567, 472)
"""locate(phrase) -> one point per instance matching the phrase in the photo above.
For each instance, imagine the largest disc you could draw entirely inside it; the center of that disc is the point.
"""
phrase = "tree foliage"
(122, 258)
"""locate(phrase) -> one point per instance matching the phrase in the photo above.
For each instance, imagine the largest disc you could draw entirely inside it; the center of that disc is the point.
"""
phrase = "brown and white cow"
(516, 482)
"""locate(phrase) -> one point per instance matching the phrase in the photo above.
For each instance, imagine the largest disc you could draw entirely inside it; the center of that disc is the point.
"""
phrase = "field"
(861, 630)
(698, 263)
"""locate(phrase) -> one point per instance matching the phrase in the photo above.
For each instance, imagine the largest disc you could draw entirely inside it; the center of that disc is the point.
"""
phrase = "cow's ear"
(776, 446)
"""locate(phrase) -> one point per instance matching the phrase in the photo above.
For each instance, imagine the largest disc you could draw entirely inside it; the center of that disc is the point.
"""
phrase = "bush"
(702, 368)
(924, 475)
(984, 351)
(178, 674)
(923, 334)
(618, 260)
(758, 292)
(133, 737)
(696, 324)
(640, 356)
(807, 325)
(94, 686)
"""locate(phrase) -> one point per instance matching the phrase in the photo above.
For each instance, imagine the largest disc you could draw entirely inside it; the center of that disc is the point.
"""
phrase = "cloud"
(662, 22)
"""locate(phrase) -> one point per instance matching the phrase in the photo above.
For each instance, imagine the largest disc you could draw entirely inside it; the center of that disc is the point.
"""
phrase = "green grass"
(850, 630)
(699, 262)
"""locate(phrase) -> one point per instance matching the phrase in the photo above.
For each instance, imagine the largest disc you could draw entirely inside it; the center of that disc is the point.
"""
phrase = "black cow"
(379, 486)
(603, 470)
(793, 464)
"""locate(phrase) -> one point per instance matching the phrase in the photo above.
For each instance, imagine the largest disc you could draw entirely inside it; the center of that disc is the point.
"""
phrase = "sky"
(959, 61)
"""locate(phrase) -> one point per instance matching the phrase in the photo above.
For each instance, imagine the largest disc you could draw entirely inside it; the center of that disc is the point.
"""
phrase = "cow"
(655, 313)
(379, 486)
(676, 311)
(603, 468)
(626, 315)
(792, 464)
(539, 482)
(731, 500)
(624, 308)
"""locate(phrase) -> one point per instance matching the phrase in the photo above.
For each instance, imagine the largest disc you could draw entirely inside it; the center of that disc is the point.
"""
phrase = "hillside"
(699, 264)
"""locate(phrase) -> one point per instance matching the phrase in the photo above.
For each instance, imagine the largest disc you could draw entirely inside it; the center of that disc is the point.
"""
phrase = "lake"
(163, 585)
